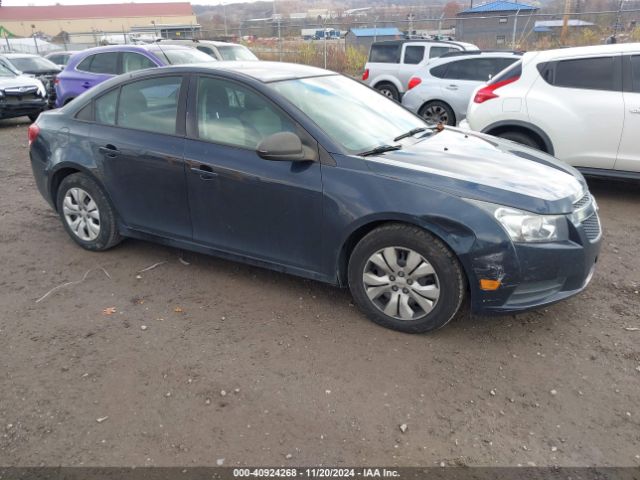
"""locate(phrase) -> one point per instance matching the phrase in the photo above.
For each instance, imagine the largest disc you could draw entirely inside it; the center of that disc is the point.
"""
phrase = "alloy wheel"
(81, 214)
(401, 283)
(435, 114)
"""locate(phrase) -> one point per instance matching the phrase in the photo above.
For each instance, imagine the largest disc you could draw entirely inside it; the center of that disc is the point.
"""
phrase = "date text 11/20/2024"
(316, 472)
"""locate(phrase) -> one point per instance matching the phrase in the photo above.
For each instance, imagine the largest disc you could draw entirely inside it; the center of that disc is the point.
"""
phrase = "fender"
(529, 126)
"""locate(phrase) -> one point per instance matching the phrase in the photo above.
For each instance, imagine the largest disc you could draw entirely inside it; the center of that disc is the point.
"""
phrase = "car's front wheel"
(86, 213)
(404, 278)
(438, 112)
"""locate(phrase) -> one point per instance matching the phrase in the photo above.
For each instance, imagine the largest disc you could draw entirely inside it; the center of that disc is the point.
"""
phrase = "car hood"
(485, 168)
(19, 81)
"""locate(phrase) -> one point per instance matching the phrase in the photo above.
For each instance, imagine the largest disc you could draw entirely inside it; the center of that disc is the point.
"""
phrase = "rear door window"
(635, 73)
(102, 63)
(150, 105)
(435, 52)
(413, 54)
(385, 54)
(585, 73)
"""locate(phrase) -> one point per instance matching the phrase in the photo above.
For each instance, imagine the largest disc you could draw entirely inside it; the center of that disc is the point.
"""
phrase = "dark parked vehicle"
(35, 66)
(305, 171)
(91, 67)
(20, 95)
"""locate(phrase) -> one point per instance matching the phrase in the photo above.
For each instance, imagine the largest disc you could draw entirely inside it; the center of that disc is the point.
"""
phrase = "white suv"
(440, 91)
(393, 62)
(580, 104)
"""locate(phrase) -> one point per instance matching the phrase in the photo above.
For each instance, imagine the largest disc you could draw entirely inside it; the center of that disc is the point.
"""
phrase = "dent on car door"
(241, 203)
(139, 148)
(629, 151)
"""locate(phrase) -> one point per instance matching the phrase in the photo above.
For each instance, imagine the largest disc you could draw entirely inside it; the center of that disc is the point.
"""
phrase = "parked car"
(440, 91)
(61, 58)
(36, 66)
(20, 95)
(217, 50)
(393, 62)
(91, 67)
(305, 171)
(580, 104)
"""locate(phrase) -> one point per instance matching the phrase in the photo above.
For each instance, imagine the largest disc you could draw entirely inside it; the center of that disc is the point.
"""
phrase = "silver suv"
(217, 50)
(440, 91)
(392, 63)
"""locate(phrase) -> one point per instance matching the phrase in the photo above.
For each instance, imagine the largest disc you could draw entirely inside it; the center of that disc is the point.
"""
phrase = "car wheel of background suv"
(406, 279)
(438, 112)
(86, 213)
(388, 90)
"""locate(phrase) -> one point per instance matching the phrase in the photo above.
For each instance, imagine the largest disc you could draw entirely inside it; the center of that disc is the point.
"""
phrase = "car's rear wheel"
(86, 213)
(388, 90)
(438, 112)
(521, 138)
(406, 279)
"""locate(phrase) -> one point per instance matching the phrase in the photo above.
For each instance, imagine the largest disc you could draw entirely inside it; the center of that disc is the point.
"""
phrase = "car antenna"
(157, 42)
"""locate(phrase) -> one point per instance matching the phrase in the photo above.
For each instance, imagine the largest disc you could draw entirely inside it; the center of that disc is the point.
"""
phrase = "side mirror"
(283, 146)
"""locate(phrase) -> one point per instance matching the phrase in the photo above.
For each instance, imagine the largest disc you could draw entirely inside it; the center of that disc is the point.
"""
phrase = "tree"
(451, 9)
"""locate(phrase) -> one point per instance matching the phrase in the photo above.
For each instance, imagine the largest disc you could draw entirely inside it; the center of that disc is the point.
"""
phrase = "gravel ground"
(215, 360)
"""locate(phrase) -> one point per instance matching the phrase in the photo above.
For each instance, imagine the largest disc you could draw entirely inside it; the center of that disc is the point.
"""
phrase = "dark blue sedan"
(305, 171)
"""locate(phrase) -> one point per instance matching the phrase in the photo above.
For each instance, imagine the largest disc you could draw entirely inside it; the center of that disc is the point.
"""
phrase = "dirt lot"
(258, 368)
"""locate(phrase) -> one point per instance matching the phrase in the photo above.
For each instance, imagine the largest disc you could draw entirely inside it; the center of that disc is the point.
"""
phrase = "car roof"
(470, 55)
(19, 55)
(467, 46)
(195, 41)
(586, 51)
(151, 47)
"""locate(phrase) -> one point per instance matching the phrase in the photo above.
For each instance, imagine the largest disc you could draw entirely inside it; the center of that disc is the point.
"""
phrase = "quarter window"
(231, 114)
(435, 52)
(587, 73)
(134, 61)
(150, 105)
(413, 54)
(385, 54)
(104, 63)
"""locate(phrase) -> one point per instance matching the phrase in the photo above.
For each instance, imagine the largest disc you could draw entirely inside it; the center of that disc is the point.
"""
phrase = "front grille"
(592, 227)
(582, 202)
(15, 100)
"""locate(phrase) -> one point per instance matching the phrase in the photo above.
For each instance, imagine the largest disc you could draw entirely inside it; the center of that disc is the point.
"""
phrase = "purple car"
(90, 67)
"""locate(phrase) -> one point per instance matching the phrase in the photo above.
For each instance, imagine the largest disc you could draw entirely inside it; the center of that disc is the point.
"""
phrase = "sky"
(23, 3)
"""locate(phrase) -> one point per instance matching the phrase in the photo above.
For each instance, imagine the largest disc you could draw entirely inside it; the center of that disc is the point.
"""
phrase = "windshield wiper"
(410, 133)
(380, 149)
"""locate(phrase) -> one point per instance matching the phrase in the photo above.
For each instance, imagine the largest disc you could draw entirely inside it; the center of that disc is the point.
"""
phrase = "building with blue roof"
(364, 37)
(493, 24)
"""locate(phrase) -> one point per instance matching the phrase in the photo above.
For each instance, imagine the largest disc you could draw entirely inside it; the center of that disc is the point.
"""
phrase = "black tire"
(443, 107)
(450, 277)
(33, 116)
(108, 236)
(522, 138)
(388, 90)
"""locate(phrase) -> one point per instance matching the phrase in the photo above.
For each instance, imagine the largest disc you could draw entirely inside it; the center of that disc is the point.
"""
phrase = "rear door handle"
(109, 151)
(205, 172)
(86, 85)
(452, 87)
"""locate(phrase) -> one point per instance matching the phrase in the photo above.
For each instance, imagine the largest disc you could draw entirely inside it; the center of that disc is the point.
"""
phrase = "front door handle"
(205, 172)
(86, 85)
(635, 110)
(109, 151)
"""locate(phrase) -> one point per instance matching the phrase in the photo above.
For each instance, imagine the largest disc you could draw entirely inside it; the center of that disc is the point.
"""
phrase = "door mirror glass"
(284, 146)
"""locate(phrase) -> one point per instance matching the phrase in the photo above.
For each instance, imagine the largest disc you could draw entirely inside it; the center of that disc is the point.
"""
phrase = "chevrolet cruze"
(305, 171)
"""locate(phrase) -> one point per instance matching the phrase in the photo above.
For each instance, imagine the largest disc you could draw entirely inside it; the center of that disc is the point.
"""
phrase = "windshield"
(5, 72)
(33, 64)
(180, 56)
(236, 52)
(353, 115)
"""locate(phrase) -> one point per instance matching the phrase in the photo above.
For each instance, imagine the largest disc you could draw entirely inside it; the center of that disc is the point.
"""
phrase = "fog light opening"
(489, 285)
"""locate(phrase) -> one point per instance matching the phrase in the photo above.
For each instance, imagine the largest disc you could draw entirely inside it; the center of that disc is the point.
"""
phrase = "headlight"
(524, 226)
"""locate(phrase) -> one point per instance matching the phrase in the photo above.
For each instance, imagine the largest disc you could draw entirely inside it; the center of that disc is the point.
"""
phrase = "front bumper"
(540, 274)
(18, 109)
(464, 124)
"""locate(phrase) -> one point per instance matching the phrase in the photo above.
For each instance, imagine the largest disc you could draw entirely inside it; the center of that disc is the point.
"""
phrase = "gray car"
(217, 50)
(20, 95)
(440, 91)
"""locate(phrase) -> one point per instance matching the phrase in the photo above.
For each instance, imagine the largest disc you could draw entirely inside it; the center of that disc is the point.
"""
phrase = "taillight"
(56, 81)
(33, 132)
(365, 74)
(489, 92)
(414, 82)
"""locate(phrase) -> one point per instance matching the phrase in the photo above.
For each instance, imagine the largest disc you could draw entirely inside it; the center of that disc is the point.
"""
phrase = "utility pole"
(515, 28)
(565, 22)
(617, 25)
(224, 14)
